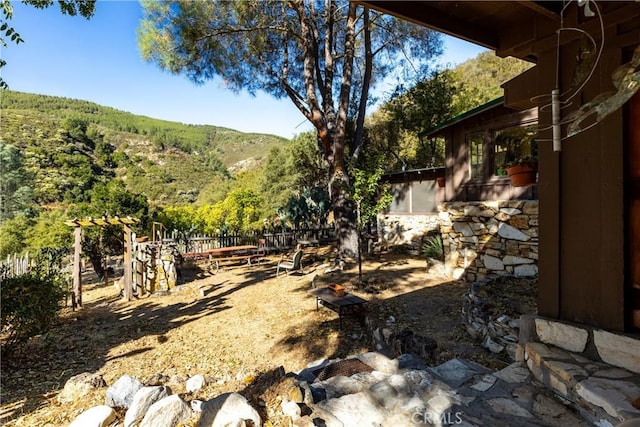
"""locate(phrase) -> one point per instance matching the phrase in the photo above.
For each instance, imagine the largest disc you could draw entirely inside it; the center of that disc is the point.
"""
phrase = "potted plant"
(523, 171)
(521, 160)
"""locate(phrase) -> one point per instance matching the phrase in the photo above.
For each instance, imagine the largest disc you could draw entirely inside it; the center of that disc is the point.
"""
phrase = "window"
(513, 145)
(413, 197)
(475, 142)
(491, 153)
(500, 159)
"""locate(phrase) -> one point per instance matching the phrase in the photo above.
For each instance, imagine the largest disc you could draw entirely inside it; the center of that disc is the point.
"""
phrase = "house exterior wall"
(582, 273)
(583, 193)
(459, 185)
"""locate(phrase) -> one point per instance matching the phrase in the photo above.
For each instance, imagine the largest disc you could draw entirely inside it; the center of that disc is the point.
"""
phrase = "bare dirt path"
(233, 327)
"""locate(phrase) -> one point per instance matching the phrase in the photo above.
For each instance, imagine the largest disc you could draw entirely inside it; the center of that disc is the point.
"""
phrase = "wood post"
(128, 289)
(77, 273)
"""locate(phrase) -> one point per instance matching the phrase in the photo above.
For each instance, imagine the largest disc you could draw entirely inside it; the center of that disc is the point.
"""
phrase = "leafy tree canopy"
(323, 56)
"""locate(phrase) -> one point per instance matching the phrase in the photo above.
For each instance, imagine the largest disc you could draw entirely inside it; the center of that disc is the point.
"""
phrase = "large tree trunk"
(344, 213)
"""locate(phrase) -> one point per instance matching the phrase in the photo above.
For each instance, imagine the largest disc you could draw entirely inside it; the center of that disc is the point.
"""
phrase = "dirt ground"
(235, 327)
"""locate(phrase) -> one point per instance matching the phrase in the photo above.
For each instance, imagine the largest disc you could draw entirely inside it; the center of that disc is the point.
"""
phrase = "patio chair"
(295, 263)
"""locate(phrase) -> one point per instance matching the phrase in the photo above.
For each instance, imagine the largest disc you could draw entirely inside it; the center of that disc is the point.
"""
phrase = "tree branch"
(364, 94)
(345, 90)
(315, 113)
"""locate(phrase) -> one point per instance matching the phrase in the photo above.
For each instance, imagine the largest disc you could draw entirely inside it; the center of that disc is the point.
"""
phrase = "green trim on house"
(480, 109)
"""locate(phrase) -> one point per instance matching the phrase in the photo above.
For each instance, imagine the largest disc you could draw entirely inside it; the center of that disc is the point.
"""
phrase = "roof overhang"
(511, 28)
(423, 174)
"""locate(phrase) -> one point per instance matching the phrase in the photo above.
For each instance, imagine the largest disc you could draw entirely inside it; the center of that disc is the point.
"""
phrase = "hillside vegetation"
(63, 158)
(68, 143)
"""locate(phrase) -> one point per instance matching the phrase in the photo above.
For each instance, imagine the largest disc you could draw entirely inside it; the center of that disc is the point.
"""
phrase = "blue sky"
(98, 60)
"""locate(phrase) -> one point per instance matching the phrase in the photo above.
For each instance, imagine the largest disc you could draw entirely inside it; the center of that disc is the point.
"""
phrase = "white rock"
(290, 409)
(79, 385)
(167, 412)
(339, 385)
(385, 394)
(508, 406)
(515, 260)
(509, 232)
(98, 416)
(121, 393)
(355, 410)
(611, 395)
(514, 373)
(196, 405)
(379, 362)
(195, 383)
(618, 350)
(439, 404)
(527, 270)
(418, 379)
(228, 408)
(562, 335)
(463, 228)
(511, 211)
(458, 273)
(142, 401)
(485, 383)
(493, 263)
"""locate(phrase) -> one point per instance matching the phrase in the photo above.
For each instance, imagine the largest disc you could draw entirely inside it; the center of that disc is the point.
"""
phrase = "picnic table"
(343, 305)
(246, 253)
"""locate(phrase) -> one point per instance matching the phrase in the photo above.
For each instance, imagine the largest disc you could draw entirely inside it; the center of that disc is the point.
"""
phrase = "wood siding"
(582, 260)
(460, 186)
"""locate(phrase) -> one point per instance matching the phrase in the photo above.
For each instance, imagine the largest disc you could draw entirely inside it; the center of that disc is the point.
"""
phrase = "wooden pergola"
(77, 250)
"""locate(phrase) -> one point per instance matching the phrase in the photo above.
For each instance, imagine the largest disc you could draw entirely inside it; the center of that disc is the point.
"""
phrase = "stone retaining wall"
(490, 237)
(593, 370)
(408, 229)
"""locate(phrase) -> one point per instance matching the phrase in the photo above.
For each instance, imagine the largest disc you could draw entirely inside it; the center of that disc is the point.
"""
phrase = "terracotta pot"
(338, 290)
(522, 175)
(440, 181)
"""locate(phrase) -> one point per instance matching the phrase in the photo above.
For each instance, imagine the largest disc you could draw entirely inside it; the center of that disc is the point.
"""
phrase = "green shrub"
(29, 303)
(433, 247)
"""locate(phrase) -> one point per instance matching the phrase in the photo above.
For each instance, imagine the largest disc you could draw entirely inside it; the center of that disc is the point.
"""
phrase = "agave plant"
(433, 247)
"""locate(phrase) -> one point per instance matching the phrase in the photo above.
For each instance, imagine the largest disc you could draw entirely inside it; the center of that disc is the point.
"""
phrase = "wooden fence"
(282, 239)
(14, 266)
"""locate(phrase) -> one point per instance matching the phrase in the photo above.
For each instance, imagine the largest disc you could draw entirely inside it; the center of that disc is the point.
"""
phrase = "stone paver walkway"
(553, 387)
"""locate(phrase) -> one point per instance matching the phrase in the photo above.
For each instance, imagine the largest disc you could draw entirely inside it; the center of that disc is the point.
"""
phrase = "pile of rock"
(394, 344)
(367, 389)
(491, 310)
(156, 405)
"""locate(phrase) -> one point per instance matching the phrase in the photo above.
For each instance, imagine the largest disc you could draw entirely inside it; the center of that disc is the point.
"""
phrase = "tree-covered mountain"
(66, 145)
(479, 80)
(63, 158)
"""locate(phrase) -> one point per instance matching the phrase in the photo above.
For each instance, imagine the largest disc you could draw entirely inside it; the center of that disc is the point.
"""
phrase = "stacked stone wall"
(490, 237)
